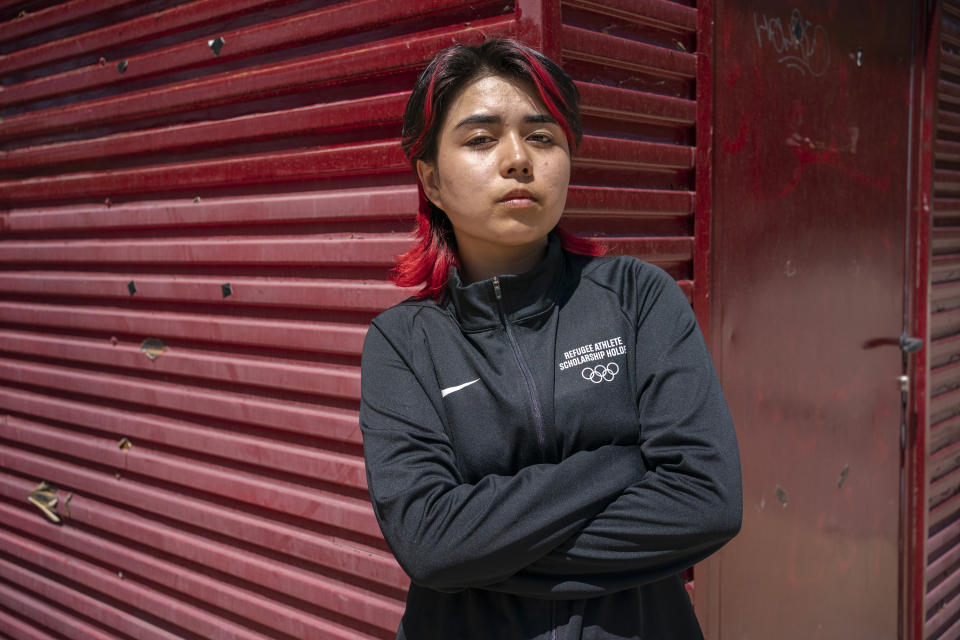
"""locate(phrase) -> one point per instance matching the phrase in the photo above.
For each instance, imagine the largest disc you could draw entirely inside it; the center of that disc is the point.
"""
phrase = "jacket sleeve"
(449, 535)
(689, 502)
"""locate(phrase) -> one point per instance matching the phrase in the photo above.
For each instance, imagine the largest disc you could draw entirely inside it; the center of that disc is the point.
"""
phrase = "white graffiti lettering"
(802, 46)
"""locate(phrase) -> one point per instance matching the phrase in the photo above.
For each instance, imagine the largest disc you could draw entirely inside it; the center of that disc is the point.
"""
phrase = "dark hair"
(428, 262)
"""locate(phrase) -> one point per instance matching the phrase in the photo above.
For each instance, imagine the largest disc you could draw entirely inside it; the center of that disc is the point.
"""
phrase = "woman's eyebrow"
(483, 118)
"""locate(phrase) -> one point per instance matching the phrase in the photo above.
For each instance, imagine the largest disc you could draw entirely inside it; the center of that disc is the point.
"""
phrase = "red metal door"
(811, 208)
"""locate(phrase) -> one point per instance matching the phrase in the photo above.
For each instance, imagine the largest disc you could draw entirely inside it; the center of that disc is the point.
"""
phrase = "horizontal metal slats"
(286, 292)
(92, 42)
(321, 249)
(609, 153)
(304, 545)
(364, 159)
(244, 208)
(135, 594)
(248, 489)
(608, 201)
(623, 104)
(309, 583)
(340, 205)
(331, 206)
(667, 16)
(21, 629)
(588, 46)
(34, 608)
(947, 151)
(944, 614)
(186, 552)
(949, 122)
(639, 132)
(323, 23)
(364, 60)
(302, 120)
(950, 62)
(302, 418)
(373, 157)
(942, 573)
(948, 92)
(51, 17)
(315, 336)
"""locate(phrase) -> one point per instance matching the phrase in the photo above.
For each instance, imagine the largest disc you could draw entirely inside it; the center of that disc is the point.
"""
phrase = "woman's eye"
(479, 141)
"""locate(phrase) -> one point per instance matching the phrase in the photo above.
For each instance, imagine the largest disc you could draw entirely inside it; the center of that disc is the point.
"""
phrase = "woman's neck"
(482, 261)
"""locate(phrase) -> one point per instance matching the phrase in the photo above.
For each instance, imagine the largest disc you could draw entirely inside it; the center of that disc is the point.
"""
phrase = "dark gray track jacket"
(546, 451)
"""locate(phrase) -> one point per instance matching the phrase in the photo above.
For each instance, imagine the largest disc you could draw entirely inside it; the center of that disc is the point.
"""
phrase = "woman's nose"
(516, 160)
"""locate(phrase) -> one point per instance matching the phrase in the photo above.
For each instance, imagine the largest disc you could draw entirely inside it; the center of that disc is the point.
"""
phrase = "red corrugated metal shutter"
(199, 203)
(636, 69)
(941, 605)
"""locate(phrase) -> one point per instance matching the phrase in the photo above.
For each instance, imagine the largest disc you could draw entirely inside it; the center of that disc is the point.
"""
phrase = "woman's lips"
(518, 198)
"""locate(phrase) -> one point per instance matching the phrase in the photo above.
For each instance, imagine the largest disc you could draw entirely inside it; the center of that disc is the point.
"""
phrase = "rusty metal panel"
(812, 209)
(199, 205)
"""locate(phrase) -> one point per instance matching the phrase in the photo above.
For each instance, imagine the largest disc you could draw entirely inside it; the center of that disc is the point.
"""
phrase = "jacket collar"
(522, 296)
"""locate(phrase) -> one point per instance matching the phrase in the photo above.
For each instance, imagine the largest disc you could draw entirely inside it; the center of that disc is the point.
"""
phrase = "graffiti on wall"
(800, 44)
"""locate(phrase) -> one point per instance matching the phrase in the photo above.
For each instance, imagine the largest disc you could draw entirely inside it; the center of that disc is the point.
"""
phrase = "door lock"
(910, 344)
(904, 383)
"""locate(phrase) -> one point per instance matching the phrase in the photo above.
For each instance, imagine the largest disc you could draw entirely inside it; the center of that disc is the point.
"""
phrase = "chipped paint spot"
(782, 496)
(125, 444)
(843, 475)
(44, 497)
(122, 66)
(153, 347)
(216, 45)
(131, 287)
(226, 290)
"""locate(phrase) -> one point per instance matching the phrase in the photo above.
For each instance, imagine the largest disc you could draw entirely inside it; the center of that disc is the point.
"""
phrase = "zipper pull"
(496, 288)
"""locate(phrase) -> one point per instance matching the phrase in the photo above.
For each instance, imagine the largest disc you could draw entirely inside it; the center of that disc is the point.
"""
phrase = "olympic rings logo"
(601, 372)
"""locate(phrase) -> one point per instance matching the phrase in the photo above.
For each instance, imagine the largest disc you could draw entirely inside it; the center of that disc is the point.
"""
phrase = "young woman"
(546, 442)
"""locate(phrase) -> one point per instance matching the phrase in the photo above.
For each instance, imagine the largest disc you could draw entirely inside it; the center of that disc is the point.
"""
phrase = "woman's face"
(502, 168)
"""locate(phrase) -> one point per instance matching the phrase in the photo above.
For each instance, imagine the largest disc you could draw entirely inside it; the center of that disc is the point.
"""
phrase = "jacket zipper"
(553, 621)
(527, 376)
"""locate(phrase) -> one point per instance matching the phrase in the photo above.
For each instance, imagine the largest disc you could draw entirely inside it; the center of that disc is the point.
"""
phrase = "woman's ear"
(427, 172)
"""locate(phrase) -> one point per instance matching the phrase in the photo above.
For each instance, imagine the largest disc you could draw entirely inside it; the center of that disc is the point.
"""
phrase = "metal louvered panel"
(199, 205)
(635, 67)
(941, 594)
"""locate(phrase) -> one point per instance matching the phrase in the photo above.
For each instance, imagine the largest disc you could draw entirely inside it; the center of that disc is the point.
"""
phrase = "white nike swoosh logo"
(445, 392)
